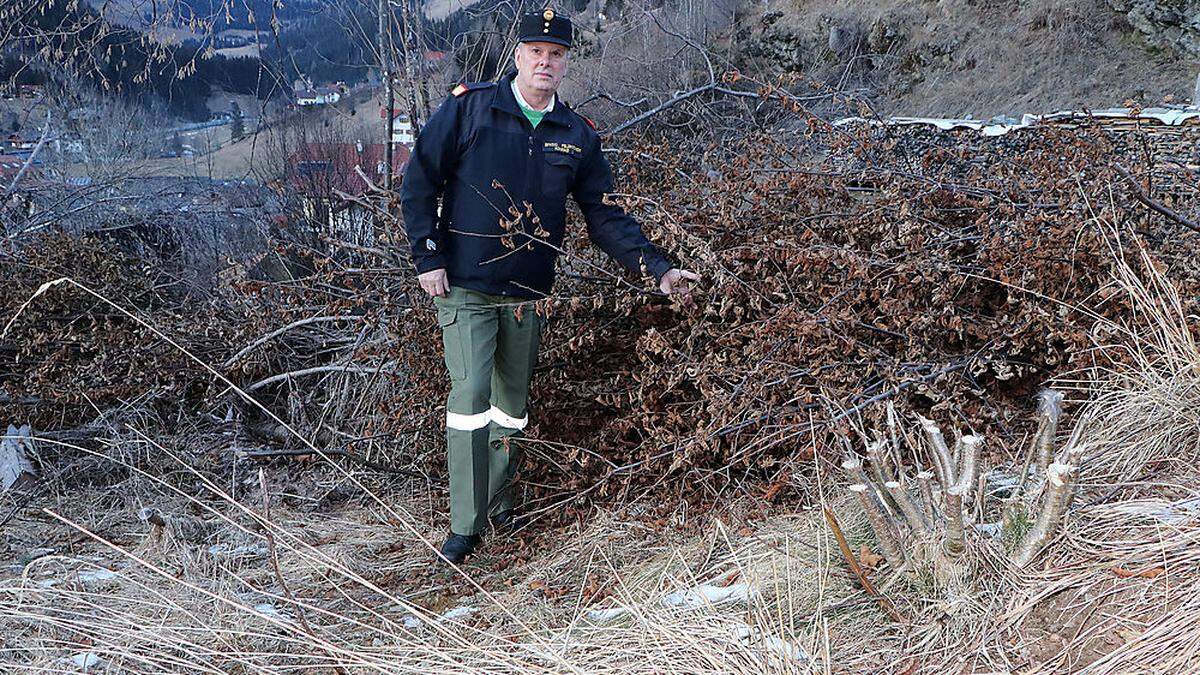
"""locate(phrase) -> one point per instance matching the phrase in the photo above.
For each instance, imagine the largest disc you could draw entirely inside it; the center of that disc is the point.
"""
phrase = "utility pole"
(385, 64)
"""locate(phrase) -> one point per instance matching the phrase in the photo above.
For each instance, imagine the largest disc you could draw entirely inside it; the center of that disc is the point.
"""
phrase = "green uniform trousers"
(490, 354)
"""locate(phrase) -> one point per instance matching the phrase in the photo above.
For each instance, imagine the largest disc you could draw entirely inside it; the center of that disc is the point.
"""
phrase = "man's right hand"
(435, 282)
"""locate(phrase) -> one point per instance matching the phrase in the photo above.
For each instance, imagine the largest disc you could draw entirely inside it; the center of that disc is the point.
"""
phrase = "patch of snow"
(703, 595)
(458, 613)
(86, 660)
(97, 574)
(746, 635)
(999, 126)
(606, 615)
(997, 129)
(411, 622)
(785, 648)
(706, 594)
(269, 610)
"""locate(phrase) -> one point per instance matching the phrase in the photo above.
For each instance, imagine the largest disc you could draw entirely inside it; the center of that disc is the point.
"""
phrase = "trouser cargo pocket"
(452, 340)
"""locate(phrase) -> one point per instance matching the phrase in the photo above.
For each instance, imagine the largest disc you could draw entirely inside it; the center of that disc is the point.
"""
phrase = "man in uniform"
(484, 203)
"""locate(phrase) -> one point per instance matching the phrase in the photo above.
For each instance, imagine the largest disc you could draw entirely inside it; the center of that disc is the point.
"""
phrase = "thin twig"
(280, 331)
(1153, 204)
(354, 370)
(857, 570)
(358, 459)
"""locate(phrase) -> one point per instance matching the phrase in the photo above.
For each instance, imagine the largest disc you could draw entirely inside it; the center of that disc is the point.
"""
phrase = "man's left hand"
(679, 282)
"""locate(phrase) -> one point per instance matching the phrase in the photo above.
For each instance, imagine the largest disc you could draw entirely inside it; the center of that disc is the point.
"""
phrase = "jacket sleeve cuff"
(658, 266)
(430, 263)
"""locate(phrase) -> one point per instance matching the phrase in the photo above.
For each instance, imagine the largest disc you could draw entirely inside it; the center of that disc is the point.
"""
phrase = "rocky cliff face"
(1167, 24)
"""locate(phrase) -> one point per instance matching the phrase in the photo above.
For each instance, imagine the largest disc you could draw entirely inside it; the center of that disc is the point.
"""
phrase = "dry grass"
(1120, 590)
(350, 590)
(216, 606)
(1144, 418)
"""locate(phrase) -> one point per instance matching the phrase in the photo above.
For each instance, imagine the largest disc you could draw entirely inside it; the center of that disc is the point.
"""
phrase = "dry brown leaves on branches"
(845, 267)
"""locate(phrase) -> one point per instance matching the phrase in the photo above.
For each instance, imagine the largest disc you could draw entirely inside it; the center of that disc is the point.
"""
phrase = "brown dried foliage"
(67, 357)
(844, 267)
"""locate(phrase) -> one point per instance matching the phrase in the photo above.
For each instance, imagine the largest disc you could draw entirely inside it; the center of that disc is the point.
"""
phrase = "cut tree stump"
(16, 470)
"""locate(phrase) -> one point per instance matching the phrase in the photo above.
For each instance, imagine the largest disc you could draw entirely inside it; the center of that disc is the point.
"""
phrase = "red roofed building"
(327, 176)
(18, 205)
(402, 128)
(17, 144)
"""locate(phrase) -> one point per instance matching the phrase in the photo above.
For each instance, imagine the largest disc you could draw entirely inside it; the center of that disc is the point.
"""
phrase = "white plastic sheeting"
(86, 660)
(458, 613)
(779, 647)
(1000, 126)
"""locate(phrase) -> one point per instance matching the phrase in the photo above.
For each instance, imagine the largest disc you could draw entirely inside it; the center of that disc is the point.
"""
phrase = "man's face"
(541, 65)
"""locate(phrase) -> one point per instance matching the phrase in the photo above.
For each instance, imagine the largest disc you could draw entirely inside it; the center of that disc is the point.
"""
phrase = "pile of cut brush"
(844, 267)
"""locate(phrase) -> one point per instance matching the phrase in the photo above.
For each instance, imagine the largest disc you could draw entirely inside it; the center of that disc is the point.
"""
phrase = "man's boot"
(459, 546)
(506, 522)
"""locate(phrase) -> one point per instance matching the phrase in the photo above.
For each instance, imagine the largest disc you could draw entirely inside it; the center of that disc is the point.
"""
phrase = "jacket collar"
(503, 99)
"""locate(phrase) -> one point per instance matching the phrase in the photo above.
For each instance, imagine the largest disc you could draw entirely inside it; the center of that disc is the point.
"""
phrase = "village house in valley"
(326, 177)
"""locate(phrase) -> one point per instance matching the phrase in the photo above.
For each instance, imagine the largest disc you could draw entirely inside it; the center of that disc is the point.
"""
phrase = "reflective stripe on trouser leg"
(501, 418)
(516, 355)
(463, 422)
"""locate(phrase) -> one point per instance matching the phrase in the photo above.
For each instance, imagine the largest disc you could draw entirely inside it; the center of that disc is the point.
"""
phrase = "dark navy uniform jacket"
(503, 187)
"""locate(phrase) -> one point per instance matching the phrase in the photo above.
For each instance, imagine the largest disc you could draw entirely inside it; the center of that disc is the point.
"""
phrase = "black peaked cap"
(545, 26)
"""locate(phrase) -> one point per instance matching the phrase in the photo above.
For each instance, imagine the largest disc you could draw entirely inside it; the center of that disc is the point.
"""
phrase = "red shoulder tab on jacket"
(590, 122)
(471, 86)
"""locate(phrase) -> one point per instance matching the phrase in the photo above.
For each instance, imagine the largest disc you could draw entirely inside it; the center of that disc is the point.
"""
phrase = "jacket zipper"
(531, 166)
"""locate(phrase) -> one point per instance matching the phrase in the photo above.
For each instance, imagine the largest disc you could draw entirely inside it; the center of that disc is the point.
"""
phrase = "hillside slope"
(958, 57)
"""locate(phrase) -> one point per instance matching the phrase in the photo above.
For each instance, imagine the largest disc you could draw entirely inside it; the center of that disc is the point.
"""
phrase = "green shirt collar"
(534, 116)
